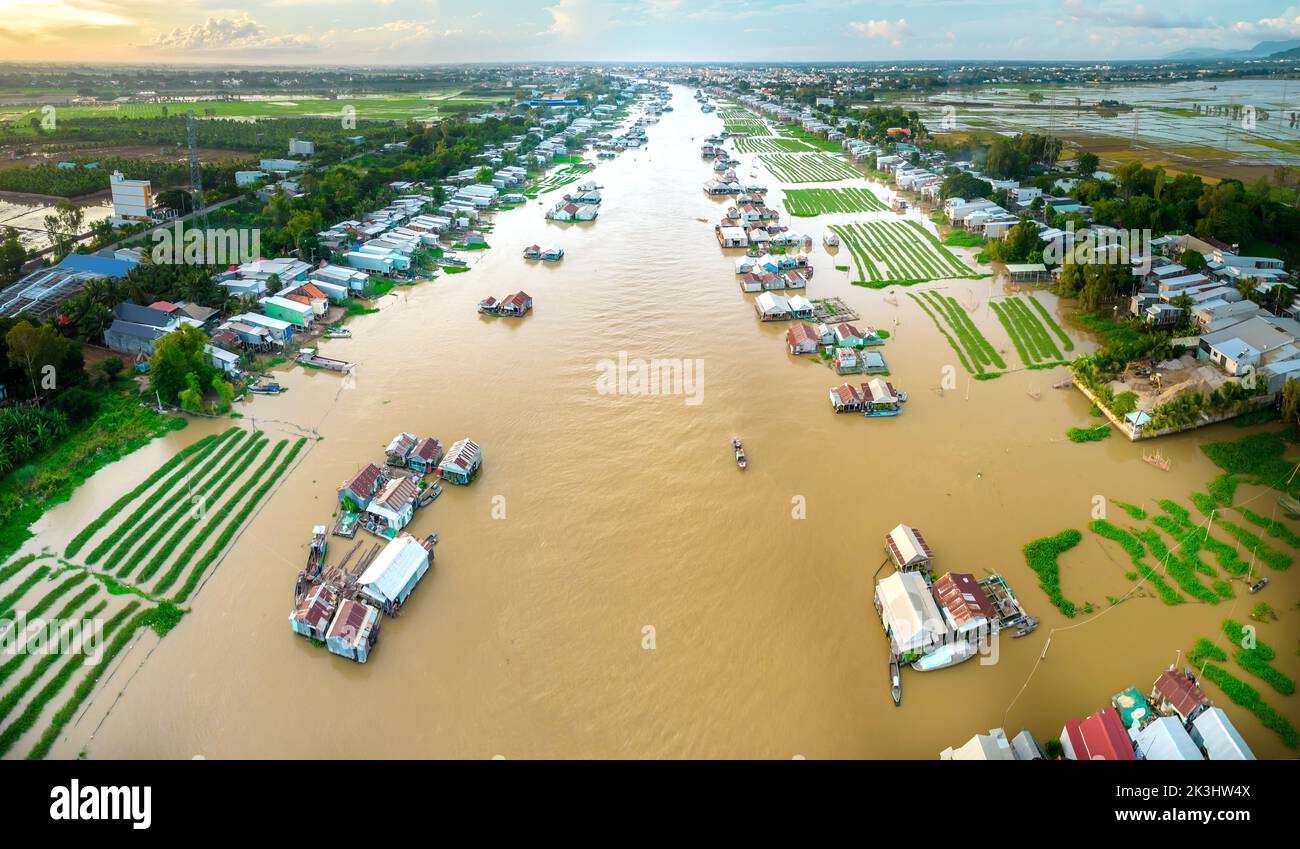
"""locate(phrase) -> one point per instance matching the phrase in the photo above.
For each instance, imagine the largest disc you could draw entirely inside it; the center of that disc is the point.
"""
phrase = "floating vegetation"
(1043, 555)
(1088, 434)
(1136, 553)
(1132, 509)
(1257, 659)
(1242, 693)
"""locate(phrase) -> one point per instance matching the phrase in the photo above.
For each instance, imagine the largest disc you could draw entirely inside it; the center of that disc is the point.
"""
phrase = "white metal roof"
(400, 561)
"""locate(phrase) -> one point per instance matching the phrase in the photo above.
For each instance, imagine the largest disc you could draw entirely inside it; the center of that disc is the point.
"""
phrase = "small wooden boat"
(267, 389)
(1259, 585)
(1063, 384)
(740, 453)
(1026, 626)
(895, 682)
(316, 552)
(338, 333)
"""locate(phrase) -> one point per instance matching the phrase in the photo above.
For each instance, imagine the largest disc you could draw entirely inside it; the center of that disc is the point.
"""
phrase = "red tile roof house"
(1179, 693)
(516, 305)
(425, 456)
(488, 305)
(802, 339)
(354, 631)
(312, 617)
(965, 605)
(1100, 737)
(362, 486)
(846, 398)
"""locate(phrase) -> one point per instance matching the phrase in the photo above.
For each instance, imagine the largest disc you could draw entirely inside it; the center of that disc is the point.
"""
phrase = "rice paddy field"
(894, 251)
(807, 203)
(771, 144)
(976, 354)
(808, 168)
(371, 107)
(129, 569)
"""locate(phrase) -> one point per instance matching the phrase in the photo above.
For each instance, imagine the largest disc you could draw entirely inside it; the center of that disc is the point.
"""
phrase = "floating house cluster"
(511, 306)
(936, 623)
(583, 204)
(1174, 722)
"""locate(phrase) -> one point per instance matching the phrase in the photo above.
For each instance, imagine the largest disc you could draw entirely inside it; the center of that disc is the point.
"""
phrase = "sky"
(416, 32)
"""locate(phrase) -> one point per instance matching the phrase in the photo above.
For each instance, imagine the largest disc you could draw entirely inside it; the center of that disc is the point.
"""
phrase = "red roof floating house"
(462, 463)
(354, 631)
(802, 338)
(516, 305)
(965, 605)
(846, 398)
(425, 456)
(362, 486)
(1178, 692)
(1100, 737)
(311, 618)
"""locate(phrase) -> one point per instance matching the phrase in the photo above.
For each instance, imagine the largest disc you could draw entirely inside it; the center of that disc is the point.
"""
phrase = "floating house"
(772, 307)
(516, 305)
(425, 456)
(965, 607)
(362, 486)
(1165, 739)
(872, 362)
(533, 252)
(1100, 737)
(312, 617)
(393, 506)
(846, 398)
(1215, 734)
(908, 549)
(911, 618)
(393, 574)
(802, 338)
(552, 253)
(846, 361)
(1178, 693)
(399, 449)
(462, 463)
(354, 631)
(879, 398)
(994, 746)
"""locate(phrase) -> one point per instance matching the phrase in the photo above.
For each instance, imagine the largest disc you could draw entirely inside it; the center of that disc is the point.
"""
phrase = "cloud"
(1136, 17)
(892, 31)
(1285, 24)
(229, 34)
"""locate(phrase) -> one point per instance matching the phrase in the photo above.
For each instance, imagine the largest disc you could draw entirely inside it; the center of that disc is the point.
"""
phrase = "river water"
(599, 516)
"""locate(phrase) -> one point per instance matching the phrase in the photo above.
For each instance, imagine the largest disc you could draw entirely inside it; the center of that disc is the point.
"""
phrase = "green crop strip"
(174, 501)
(52, 596)
(1066, 343)
(1043, 557)
(182, 531)
(215, 519)
(224, 538)
(170, 484)
(10, 699)
(771, 144)
(1277, 559)
(30, 581)
(11, 665)
(1179, 568)
(807, 168)
(117, 506)
(185, 506)
(938, 326)
(806, 203)
(1272, 527)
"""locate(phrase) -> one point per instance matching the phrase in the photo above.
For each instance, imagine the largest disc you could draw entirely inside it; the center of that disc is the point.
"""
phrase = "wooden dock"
(833, 311)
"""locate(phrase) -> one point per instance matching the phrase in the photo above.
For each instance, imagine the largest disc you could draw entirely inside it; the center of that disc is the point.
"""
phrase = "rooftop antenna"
(196, 174)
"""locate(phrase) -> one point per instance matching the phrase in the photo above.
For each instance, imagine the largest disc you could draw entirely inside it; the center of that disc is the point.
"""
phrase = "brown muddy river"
(627, 512)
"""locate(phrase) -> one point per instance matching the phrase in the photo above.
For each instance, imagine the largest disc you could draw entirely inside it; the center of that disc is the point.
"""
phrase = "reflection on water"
(601, 515)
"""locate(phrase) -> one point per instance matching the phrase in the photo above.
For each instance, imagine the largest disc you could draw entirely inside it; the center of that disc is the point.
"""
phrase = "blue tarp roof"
(106, 265)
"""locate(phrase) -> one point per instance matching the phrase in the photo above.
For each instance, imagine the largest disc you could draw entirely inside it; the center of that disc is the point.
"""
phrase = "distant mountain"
(1265, 49)
(1293, 53)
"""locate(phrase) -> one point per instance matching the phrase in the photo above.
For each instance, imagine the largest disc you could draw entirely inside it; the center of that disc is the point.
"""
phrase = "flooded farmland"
(612, 585)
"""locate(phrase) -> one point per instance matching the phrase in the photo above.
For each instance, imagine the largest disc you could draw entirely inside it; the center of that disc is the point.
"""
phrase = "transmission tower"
(196, 174)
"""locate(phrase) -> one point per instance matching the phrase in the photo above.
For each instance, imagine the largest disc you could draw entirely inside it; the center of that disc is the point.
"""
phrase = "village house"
(772, 307)
(1100, 737)
(462, 462)
(909, 614)
(1216, 736)
(399, 448)
(802, 338)
(362, 486)
(879, 398)
(354, 631)
(846, 398)
(846, 361)
(391, 577)
(311, 618)
(1178, 693)
(908, 549)
(393, 506)
(425, 456)
(966, 607)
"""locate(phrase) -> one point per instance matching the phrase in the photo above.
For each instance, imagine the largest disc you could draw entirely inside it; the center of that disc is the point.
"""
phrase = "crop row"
(181, 532)
(1136, 553)
(119, 505)
(1242, 693)
(939, 326)
(1066, 342)
(807, 168)
(806, 203)
(64, 614)
(900, 252)
(223, 539)
(771, 144)
(981, 351)
(168, 506)
(98, 552)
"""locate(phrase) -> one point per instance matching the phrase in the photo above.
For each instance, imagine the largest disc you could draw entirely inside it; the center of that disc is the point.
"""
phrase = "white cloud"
(1285, 24)
(231, 34)
(892, 31)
